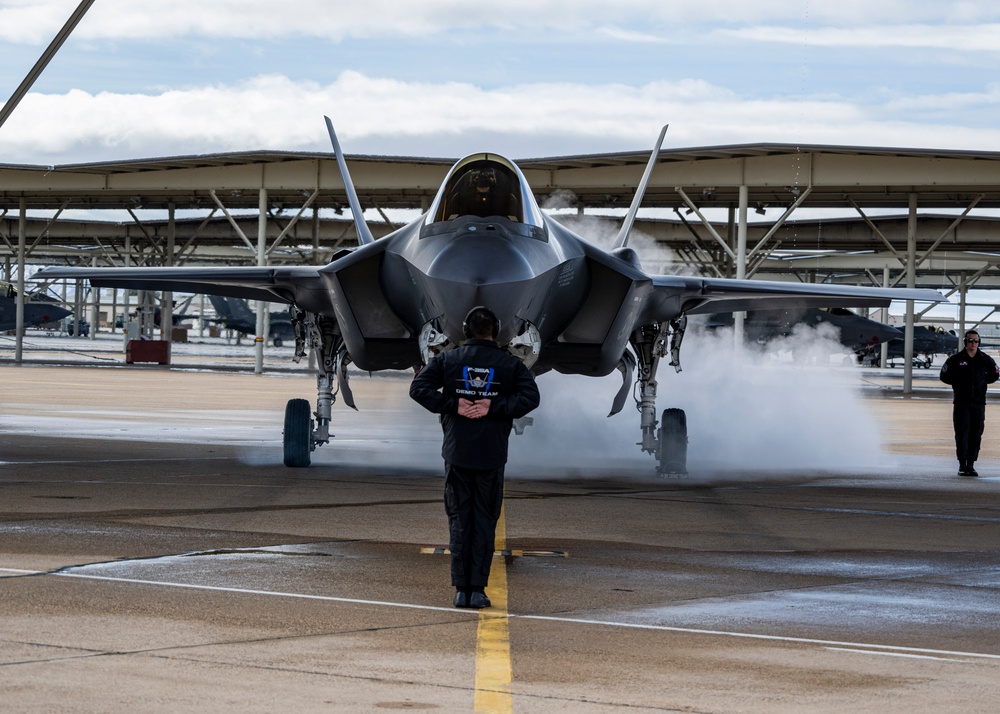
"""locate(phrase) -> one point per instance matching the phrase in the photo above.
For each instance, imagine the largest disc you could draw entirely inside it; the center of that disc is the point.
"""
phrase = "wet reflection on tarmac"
(200, 560)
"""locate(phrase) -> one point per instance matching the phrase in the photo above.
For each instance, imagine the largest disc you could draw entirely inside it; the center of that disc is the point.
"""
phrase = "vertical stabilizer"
(221, 307)
(622, 240)
(239, 309)
(364, 233)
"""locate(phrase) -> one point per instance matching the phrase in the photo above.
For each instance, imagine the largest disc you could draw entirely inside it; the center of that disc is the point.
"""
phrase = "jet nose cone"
(478, 258)
(49, 313)
(888, 332)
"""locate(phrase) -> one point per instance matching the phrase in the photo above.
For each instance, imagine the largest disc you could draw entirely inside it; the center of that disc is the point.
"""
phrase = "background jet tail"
(240, 310)
(221, 307)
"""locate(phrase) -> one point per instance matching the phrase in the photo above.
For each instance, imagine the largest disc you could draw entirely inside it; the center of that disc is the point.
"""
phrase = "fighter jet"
(927, 342)
(564, 304)
(39, 309)
(235, 314)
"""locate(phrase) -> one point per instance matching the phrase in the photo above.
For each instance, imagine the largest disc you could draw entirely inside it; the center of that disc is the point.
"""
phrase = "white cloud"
(624, 35)
(37, 21)
(377, 115)
(959, 38)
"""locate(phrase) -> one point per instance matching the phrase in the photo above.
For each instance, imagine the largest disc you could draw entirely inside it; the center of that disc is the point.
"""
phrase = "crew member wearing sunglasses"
(968, 373)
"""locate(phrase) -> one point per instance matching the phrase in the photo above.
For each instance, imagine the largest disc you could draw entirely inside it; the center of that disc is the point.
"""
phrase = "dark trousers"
(472, 500)
(969, 420)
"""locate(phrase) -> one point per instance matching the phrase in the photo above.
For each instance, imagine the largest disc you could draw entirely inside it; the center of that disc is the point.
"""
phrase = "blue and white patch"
(478, 379)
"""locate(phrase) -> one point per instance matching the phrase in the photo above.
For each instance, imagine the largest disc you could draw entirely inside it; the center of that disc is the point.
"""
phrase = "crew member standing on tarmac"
(968, 372)
(478, 389)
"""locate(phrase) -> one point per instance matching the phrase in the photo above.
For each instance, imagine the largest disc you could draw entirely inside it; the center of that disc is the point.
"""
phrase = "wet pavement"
(155, 556)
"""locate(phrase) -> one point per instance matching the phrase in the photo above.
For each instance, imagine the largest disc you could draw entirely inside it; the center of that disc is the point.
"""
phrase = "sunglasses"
(969, 339)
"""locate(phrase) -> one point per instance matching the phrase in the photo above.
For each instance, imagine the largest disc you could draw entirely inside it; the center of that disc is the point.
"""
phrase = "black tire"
(672, 457)
(298, 433)
(277, 342)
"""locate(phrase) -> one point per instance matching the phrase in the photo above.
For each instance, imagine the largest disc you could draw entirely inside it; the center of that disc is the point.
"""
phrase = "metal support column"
(95, 306)
(127, 297)
(167, 297)
(79, 308)
(911, 282)
(315, 236)
(741, 258)
(22, 240)
(261, 261)
(963, 296)
(884, 347)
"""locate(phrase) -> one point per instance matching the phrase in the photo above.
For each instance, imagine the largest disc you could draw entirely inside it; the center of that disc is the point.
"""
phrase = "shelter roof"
(836, 176)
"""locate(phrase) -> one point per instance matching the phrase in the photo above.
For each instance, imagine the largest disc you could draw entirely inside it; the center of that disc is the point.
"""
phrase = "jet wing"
(300, 284)
(675, 294)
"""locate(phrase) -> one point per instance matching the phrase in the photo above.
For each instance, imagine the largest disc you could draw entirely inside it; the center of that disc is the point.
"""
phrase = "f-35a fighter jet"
(563, 304)
(39, 309)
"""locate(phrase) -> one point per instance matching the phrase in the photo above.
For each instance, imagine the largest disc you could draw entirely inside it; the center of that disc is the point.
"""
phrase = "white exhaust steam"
(791, 408)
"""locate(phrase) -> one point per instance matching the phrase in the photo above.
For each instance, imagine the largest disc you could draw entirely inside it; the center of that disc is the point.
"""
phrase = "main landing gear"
(298, 433)
(667, 441)
(304, 431)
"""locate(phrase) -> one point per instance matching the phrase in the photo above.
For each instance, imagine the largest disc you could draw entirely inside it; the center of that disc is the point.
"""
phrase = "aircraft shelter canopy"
(958, 236)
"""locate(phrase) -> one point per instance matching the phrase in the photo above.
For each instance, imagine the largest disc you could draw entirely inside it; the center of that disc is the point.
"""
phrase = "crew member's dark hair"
(481, 323)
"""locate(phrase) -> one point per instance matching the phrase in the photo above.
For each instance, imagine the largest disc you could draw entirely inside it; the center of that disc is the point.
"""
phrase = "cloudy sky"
(527, 78)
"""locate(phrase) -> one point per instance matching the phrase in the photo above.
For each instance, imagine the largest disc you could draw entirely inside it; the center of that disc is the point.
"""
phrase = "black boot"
(478, 599)
(970, 470)
(963, 468)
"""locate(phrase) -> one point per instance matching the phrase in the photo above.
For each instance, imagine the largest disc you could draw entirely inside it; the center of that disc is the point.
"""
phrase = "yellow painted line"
(493, 670)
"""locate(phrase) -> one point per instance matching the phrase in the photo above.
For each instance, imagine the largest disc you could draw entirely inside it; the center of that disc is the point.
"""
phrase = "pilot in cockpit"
(483, 190)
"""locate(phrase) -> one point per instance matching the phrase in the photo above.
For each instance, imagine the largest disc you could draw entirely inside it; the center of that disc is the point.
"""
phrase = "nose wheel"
(671, 455)
(298, 433)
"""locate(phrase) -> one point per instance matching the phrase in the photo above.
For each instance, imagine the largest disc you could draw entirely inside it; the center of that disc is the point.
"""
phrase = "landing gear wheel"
(298, 433)
(672, 456)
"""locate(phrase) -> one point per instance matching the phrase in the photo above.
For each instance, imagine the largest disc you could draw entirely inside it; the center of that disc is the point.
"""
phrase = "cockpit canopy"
(485, 185)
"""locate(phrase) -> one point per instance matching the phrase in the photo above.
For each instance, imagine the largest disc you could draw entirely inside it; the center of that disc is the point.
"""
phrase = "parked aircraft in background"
(235, 314)
(39, 309)
(563, 303)
(176, 317)
(856, 333)
(927, 342)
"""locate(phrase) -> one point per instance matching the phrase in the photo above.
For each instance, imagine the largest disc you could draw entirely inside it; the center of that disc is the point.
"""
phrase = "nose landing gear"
(298, 433)
(303, 433)
(668, 442)
(671, 456)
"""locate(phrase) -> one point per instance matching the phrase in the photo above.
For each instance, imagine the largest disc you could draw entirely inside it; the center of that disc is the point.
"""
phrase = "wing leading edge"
(299, 284)
(674, 295)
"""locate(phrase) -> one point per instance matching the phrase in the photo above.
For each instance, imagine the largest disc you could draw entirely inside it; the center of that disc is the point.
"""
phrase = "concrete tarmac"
(155, 556)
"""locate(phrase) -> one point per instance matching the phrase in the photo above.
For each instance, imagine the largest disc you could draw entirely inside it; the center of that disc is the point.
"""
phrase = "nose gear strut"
(668, 440)
(302, 435)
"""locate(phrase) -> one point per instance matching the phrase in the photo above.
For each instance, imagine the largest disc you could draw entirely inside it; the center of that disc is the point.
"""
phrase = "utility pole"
(43, 61)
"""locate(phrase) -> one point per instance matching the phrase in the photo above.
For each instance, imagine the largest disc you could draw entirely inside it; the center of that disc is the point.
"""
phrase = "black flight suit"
(474, 450)
(968, 377)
